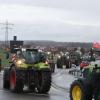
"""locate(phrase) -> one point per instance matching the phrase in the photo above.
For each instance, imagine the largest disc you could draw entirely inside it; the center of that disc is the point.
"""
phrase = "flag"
(96, 45)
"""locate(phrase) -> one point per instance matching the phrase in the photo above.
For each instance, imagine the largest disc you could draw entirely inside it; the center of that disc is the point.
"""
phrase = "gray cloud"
(56, 33)
(59, 20)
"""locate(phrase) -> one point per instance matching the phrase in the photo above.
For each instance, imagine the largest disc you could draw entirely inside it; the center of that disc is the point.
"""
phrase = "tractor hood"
(21, 64)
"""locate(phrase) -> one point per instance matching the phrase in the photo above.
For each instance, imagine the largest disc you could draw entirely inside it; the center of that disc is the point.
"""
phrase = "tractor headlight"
(59, 57)
(19, 62)
(67, 57)
(46, 62)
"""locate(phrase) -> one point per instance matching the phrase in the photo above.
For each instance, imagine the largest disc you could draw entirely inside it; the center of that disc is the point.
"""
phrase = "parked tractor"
(69, 58)
(87, 87)
(63, 60)
(75, 57)
(27, 67)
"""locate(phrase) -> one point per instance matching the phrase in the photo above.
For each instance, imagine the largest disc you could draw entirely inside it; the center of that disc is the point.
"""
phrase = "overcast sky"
(58, 20)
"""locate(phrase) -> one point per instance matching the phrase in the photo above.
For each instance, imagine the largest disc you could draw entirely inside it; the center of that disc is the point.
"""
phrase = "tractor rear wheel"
(16, 84)
(80, 91)
(59, 64)
(43, 81)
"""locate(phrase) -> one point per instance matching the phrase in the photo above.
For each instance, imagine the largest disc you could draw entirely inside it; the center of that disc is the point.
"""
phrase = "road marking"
(59, 88)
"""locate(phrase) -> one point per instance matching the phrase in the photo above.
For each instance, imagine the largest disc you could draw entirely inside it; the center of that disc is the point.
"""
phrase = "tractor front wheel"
(80, 91)
(16, 84)
(43, 81)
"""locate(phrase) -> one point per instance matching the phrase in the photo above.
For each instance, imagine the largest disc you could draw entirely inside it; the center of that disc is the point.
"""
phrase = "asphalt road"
(61, 81)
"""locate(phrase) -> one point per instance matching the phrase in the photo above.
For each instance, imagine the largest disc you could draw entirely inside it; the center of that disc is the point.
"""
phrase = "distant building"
(15, 43)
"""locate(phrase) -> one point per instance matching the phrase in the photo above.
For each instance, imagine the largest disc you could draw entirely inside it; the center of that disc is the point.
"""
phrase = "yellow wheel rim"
(76, 93)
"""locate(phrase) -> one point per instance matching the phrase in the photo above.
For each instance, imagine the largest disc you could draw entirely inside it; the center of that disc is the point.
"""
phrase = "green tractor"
(27, 67)
(63, 61)
(87, 87)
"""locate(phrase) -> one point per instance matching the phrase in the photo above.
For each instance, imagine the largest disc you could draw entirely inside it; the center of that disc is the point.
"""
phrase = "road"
(61, 81)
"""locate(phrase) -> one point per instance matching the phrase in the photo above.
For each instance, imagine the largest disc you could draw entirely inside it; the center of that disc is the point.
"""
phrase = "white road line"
(59, 88)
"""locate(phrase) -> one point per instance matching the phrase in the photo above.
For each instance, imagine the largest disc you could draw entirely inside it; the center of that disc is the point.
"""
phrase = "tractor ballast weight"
(27, 67)
(88, 87)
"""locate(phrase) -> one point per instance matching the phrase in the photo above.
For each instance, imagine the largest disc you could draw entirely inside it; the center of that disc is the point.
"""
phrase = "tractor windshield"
(30, 56)
(34, 57)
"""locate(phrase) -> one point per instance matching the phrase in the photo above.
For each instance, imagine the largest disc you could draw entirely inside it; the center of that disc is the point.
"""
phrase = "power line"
(6, 27)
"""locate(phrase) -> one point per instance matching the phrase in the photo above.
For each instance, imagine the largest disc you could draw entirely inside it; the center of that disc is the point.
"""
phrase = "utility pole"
(6, 27)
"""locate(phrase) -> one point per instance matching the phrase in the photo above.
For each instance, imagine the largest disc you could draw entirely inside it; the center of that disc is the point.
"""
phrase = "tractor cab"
(31, 56)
